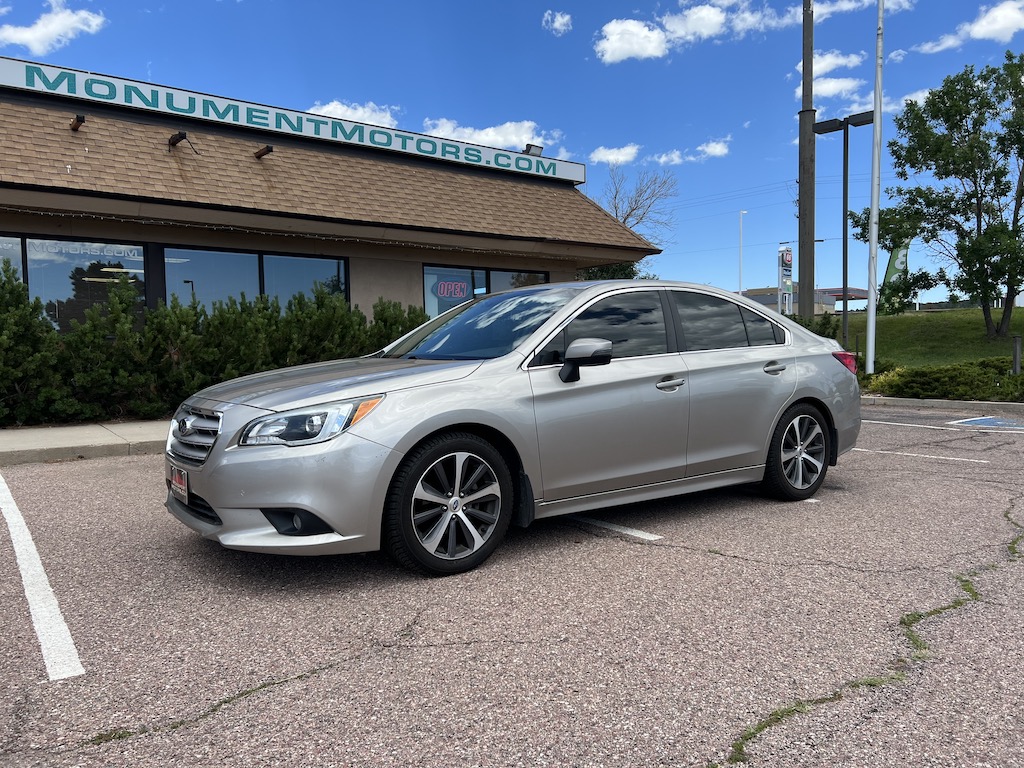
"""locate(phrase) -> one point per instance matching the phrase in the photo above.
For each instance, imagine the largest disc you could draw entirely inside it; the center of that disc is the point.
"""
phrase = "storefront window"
(70, 277)
(447, 287)
(501, 281)
(210, 276)
(10, 248)
(285, 276)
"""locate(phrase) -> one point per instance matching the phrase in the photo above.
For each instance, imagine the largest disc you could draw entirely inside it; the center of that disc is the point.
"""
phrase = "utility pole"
(805, 231)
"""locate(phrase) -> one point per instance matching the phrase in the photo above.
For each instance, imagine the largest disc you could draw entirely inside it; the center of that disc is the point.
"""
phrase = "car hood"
(304, 385)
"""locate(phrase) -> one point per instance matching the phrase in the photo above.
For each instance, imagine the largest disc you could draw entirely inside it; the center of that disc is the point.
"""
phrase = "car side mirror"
(584, 352)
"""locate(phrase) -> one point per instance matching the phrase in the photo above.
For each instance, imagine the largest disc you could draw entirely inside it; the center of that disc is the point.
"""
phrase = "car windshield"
(488, 327)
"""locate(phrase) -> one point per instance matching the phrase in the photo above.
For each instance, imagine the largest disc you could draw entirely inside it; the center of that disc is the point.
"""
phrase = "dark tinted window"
(709, 322)
(761, 330)
(633, 322)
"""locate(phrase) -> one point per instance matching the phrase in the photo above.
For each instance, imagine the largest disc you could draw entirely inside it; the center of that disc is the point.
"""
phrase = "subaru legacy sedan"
(538, 401)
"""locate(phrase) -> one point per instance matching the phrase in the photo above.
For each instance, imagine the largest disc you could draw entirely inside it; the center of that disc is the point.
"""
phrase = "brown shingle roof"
(121, 154)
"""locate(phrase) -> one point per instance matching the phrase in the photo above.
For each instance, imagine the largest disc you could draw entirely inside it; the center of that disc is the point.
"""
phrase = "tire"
(799, 454)
(449, 506)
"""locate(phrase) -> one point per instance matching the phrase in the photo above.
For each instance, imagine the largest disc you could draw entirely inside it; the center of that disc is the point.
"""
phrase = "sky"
(706, 90)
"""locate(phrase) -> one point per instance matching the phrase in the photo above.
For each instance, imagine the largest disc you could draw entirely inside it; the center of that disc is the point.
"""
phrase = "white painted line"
(918, 426)
(59, 652)
(619, 528)
(924, 456)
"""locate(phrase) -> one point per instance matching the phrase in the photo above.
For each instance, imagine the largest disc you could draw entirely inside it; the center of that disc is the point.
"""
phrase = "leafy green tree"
(898, 294)
(968, 137)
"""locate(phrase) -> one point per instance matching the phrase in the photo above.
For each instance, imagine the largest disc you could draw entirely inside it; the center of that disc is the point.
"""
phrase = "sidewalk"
(26, 445)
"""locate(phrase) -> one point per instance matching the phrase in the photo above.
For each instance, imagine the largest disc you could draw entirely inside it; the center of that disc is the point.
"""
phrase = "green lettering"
(472, 155)
(426, 146)
(550, 169)
(355, 133)
(281, 118)
(68, 78)
(377, 141)
(450, 150)
(230, 112)
(501, 156)
(100, 89)
(257, 116)
(404, 140)
(189, 110)
(317, 124)
(132, 91)
(524, 164)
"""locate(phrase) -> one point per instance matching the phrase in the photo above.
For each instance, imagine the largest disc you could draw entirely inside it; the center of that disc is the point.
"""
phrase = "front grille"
(200, 508)
(193, 434)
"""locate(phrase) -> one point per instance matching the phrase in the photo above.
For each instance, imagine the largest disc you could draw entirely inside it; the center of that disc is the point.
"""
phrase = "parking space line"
(916, 426)
(619, 528)
(924, 456)
(59, 652)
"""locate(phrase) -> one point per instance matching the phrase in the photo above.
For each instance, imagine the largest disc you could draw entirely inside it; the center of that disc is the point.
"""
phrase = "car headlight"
(308, 425)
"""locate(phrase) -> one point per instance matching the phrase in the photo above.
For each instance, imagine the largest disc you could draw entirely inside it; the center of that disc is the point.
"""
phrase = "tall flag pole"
(876, 193)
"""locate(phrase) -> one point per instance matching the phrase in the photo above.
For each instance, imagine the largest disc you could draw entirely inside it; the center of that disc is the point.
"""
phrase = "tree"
(968, 135)
(642, 208)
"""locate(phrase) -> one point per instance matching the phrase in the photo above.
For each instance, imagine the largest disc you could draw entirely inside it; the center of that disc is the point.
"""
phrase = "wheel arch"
(523, 503)
(826, 412)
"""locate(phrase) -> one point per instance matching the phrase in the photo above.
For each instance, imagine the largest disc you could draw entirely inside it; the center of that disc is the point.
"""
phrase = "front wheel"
(799, 454)
(449, 506)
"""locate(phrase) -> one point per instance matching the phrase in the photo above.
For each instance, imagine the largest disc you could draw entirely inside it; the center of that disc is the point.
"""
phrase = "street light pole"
(741, 252)
(828, 126)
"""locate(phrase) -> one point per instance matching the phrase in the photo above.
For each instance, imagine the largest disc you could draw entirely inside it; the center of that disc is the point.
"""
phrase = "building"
(195, 195)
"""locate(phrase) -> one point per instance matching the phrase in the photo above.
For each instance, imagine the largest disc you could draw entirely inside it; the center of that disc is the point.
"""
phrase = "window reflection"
(210, 276)
(285, 276)
(633, 322)
(10, 248)
(69, 277)
(447, 287)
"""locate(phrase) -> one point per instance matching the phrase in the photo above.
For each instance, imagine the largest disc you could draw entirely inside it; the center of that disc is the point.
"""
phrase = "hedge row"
(992, 379)
(125, 362)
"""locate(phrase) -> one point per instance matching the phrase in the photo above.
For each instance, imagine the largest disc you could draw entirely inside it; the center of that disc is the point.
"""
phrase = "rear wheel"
(449, 506)
(799, 454)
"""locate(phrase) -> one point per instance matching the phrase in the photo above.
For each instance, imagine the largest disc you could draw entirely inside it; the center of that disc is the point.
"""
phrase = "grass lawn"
(919, 339)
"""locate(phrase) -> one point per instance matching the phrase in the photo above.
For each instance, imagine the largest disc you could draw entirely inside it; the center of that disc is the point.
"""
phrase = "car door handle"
(669, 385)
(774, 368)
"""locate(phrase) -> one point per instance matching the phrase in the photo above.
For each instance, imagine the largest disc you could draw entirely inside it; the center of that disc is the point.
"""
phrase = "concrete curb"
(81, 441)
(971, 406)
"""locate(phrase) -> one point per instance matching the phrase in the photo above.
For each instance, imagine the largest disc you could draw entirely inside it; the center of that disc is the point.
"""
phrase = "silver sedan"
(539, 401)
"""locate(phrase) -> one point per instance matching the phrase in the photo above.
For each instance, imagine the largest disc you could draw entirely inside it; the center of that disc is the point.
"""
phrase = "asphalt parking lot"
(877, 624)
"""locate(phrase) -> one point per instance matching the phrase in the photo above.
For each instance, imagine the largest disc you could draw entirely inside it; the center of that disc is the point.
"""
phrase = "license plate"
(179, 484)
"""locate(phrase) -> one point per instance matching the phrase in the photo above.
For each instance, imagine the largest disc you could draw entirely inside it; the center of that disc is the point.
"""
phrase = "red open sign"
(451, 289)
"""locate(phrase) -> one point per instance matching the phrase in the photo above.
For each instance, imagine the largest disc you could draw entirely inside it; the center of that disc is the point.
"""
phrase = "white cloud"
(510, 135)
(374, 114)
(830, 87)
(700, 20)
(557, 22)
(615, 156)
(714, 148)
(694, 24)
(998, 22)
(675, 157)
(897, 56)
(54, 29)
(623, 39)
(829, 61)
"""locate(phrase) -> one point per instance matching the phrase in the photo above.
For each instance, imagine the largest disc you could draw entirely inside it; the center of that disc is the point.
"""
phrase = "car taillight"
(848, 359)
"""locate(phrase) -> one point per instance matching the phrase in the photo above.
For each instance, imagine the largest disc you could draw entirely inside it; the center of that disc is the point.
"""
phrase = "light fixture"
(176, 139)
(533, 149)
(264, 151)
(77, 122)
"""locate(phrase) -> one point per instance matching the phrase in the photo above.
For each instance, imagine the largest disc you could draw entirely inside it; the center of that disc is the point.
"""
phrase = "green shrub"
(31, 388)
(323, 327)
(990, 379)
(391, 322)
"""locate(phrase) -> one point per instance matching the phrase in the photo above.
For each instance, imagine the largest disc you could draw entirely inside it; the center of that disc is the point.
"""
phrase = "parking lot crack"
(898, 667)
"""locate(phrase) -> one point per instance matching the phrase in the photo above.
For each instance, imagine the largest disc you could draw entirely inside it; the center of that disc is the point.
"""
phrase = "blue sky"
(707, 90)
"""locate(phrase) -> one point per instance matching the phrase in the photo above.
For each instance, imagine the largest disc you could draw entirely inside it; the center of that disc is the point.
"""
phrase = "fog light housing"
(296, 522)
